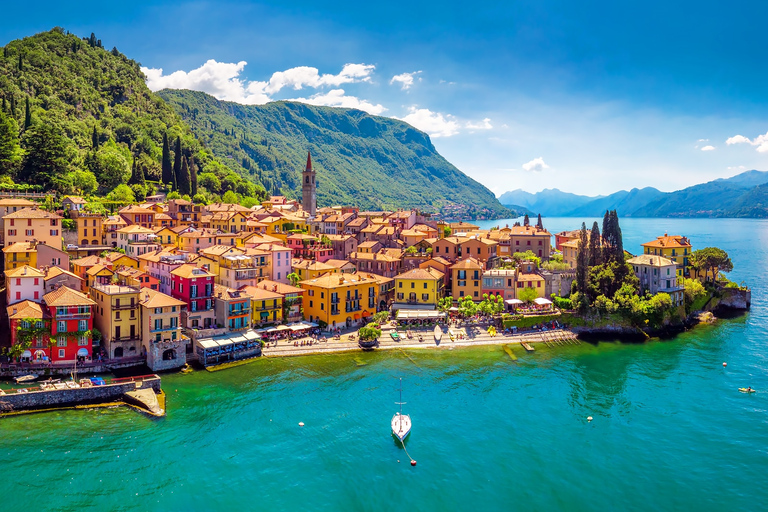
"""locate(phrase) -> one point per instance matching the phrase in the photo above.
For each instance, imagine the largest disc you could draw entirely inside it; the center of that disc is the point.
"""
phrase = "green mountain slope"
(78, 91)
(360, 159)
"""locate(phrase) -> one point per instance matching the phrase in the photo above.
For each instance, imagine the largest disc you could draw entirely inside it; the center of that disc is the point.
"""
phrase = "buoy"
(725, 364)
(301, 423)
(589, 418)
(413, 463)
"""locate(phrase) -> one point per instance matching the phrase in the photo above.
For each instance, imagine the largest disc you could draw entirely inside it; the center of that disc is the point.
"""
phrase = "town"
(168, 282)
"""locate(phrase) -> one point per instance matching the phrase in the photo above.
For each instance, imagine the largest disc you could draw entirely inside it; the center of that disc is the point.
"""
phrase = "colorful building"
(266, 306)
(117, 317)
(163, 343)
(233, 308)
(24, 283)
(342, 300)
(466, 277)
(194, 286)
(658, 275)
(71, 314)
(675, 248)
(419, 288)
(32, 224)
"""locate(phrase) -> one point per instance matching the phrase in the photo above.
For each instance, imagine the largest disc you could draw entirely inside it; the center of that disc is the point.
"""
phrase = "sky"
(589, 97)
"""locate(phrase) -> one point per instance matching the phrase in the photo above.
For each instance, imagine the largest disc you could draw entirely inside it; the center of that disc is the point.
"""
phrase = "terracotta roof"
(75, 199)
(338, 263)
(372, 256)
(368, 244)
(16, 202)
(665, 242)
(66, 296)
(258, 293)
(136, 209)
(281, 288)
(31, 213)
(25, 271)
(162, 216)
(53, 272)
(227, 293)
(190, 271)
(154, 299)
(90, 261)
(528, 231)
(421, 273)
(469, 263)
(440, 259)
(529, 277)
(114, 256)
(20, 247)
(331, 281)
(135, 228)
(94, 270)
(311, 265)
(25, 309)
(220, 250)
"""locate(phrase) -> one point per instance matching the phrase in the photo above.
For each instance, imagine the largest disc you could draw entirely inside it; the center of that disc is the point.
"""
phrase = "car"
(71, 247)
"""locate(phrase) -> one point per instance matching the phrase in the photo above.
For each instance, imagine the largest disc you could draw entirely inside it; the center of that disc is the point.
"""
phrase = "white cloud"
(485, 124)
(405, 79)
(535, 165)
(738, 139)
(221, 80)
(338, 98)
(736, 168)
(761, 141)
(434, 123)
(708, 148)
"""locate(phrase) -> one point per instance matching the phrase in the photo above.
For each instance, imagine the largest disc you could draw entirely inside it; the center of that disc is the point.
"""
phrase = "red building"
(194, 286)
(309, 247)
(30, 315)
(71, 314)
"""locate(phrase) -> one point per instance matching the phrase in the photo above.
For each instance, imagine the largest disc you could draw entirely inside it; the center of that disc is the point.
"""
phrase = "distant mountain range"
(744, 195)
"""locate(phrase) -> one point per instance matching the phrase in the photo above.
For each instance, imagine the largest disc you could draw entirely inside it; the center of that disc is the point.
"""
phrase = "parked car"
(71, 247)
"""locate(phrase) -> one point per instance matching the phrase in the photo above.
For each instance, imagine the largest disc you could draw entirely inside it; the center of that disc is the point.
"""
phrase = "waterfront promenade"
(463, 336)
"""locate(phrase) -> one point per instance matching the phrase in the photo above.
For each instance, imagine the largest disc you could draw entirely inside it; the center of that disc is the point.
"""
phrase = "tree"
(183, 180)
(9, 143)
(526, 220)
(27, 115)
(711, 259)
(693, 291)
(177, 163)
(582, 260)
(467, 307)
(446, 231)
(95, 139)
(210, 182)
(193, 179)
(122, 194)
(445, 304)
(595, 251)
(411, 250)
(111, 166)
(369, 333)
(230, 197)
(84, 182)
(527, 294)
(539, 223)
(294, 278)
(380, 317)
(45, 160)
(167, 169)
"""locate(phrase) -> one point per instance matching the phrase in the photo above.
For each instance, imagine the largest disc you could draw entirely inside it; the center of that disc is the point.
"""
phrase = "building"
(30, 322)
(565, 236)
(138, 216)
(529, 280)
(56, 277)
(292, 298)
(309, 188)
(658, 275)
(81, 266)
(73, 203)
(309, 269)
(342, 300)
(466, 279)
(160, 264)
(266, 306)
(32, 224)
(419, 288)
(194, 286)
(136, 240)
(11, 205)
(24, 283)
(675, 248)
(90, 228)
(137, 278)
(279, 263)
(379, 263)
(71, 314)
(233, 308)
(117, 317)
(499, 282)
(162, 340)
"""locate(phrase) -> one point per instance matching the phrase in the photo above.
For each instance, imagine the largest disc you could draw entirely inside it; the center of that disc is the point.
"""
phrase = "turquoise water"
(670, 429)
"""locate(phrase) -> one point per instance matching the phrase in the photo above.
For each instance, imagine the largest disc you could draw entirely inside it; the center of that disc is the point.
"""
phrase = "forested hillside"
(370, 161)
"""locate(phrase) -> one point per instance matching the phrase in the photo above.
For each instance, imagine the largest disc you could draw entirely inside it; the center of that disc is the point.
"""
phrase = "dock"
(527, 346)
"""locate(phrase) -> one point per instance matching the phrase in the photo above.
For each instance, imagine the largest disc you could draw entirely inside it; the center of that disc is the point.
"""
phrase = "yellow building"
(20, 254)
(117, 316)
(90, 228)
(310, 269)
(167, 237)
(675, 248)
(342, 300)
(98, 274)
(419, 288)
(526, 280)
(266, 306)
(30, 224)
(122, 260)
(466, 279)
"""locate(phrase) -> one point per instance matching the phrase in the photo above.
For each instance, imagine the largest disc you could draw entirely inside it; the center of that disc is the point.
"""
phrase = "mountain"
(91, 111)
(551, 200)
(625, 203)
(743, 195)
(360, 159)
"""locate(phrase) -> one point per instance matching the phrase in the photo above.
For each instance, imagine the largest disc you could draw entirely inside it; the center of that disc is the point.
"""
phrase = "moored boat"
(26, 378)
(401, 423)
(438, 333)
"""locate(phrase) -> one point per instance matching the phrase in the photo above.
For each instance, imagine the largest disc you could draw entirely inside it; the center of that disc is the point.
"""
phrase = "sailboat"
(401, 423)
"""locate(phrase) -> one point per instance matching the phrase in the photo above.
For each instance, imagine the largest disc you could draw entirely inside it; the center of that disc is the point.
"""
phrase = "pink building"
(24, 283)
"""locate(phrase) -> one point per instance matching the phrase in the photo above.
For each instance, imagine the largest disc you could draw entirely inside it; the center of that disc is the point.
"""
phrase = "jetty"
(142, 392)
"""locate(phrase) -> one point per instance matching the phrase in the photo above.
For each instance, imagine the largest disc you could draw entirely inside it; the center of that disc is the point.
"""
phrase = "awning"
(541, 301)
(26, 353)
(83, 352)
(513, 302)
(453, 309)
(418, 314)
(356, 316)
(366, 313)
(283, 328)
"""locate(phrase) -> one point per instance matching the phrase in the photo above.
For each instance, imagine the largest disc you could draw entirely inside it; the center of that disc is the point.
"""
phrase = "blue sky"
(589, 97)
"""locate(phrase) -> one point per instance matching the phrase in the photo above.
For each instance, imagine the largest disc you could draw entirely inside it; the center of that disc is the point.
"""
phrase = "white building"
(24, 283)
(136, 240)
(658, 275)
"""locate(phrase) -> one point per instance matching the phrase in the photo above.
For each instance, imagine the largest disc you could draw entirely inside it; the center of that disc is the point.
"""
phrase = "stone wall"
(78, 396)
(558, 282)
(155, 355)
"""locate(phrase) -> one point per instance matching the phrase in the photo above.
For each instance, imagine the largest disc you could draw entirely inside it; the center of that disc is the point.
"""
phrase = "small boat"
(26, 378)
(438, 333)
(186, 368)
(746, 390)
(401, 423)
(395, 336)
(527, 346)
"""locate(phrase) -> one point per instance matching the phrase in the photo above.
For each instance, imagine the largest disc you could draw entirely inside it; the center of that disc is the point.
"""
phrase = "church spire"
(309, 160)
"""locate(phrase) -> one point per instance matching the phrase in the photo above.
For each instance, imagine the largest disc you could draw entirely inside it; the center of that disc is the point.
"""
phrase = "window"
(12, 232)
(61, 341)
(18, 295)
(61, 326)
(37, 295)
(82, 341)
(413, 285)
(83, 325)
(61, 353)
(30, 232)
(425, 296)
(54, 232)
(425, 286)
(400, 284)
(158, 311)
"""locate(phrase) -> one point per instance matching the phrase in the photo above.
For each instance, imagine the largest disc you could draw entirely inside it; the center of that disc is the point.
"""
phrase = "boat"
(438, 333)
(186, 368)
(395, 336)
(746, 390)
(401, 423)
(527, 346)
(26, 378)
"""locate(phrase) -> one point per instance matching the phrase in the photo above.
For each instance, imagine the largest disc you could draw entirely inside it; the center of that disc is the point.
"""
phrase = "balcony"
(122, 339)
(334, 300)
(65, 316)
(252, 273)
(162, 328)
(352, 309)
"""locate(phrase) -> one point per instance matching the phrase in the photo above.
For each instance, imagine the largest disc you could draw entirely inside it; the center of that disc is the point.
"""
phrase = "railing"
(60, 316)
(124, 306)
(164, 328)
(126, 338)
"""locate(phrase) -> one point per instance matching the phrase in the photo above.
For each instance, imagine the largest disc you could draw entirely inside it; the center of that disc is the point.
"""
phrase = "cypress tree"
(526, 220)
(13, 106)
(539, 224)
(27, 116)
(177, 161)
(618, 248)
(606, 236)
(5, 105)
(595, 252)
(193, 179)
(167, 170)
(21, 62)
(582, 261)
(95, 139)
(185, 187)
(140, 175)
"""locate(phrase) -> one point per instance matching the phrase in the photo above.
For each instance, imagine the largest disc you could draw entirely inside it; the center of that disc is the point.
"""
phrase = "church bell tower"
(308, 188)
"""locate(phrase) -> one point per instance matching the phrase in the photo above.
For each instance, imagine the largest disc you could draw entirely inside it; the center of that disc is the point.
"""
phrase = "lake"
(670, 430)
